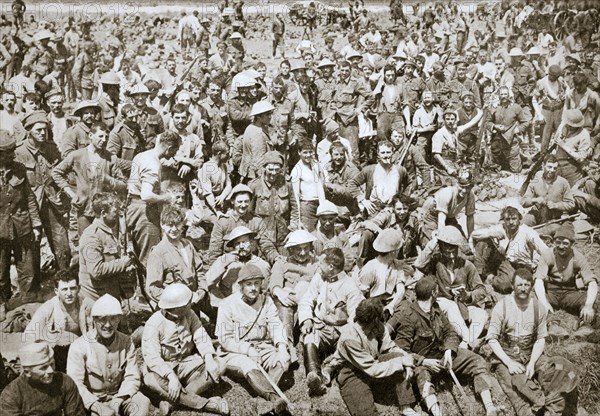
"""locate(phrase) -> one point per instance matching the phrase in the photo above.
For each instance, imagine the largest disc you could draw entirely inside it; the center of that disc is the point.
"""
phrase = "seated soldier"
(439, 349)
(517, 336)
(505, 247)
(40, 390)
(174, 260)
(384, 277)
(548, 194)
(339, 171)
(102, 259)
(240, 214)
(62, 319)
(223, 273)
(179, 358)
(252, 335)
(561, 279)
(396, 217)
(369, 366)
(328, 304)
(460, 288)
(290, 277)
(328, 235)
(103, 365)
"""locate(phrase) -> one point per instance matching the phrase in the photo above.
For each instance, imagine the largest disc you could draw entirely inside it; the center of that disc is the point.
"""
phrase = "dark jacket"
(426, 335)
(18, 207)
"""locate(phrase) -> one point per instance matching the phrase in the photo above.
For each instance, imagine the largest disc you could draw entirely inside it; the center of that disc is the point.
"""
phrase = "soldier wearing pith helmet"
(115, 389)
(180, 361)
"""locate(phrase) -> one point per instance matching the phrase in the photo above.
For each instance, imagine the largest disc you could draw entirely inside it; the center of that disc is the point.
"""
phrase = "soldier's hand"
(37, 234)
(129, 261)
(175, 388)
(283, 295)
(103, 409)
(433, 365)
(184, 170)
(369, 206)
(587, 313)
(515, 367)
(307, 326)
(212, 368)
(253, 354)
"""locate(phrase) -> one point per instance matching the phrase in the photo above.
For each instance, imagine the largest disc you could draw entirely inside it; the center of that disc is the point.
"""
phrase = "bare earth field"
(237, 392)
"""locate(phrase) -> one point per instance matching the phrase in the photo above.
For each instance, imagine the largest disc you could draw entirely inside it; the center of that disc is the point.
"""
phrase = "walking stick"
(460, 388)
(274, 385)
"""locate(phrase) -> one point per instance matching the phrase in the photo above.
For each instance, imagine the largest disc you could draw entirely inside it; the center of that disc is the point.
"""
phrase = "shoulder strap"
(536, 316)
(255, 320)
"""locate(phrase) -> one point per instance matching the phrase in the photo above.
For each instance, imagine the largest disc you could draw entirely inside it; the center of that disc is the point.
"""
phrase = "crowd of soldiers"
(323, 209)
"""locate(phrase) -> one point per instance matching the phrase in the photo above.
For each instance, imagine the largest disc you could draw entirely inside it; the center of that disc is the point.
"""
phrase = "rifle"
(140, 270)
(404, 151)
(535, 168)
(480, 133)
(556, 221)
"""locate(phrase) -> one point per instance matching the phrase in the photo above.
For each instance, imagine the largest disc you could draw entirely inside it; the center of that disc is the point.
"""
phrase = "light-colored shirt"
(237, 319)
(524, 248)
(103, 372)
(377, 278)
(332, 302)
(145, 167)
(165, 343)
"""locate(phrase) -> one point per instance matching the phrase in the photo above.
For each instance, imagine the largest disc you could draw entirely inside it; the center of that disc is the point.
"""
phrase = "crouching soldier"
(252, 336)
(179, 357)
(564, 279)
(103, 365)
(524, 371)
(328, 304)
(423, 329)
(368, 358)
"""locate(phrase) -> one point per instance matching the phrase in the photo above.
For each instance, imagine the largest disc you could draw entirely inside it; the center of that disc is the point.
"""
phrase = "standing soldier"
(102, 259)
(145, 194)
(77, 136)
(272, 197)
(350, 99)
(39, 155)
(149, 120)
(108, 98)
(126, 139)
(19, 225)
(203, 37)
(83, 70)
(278, 28)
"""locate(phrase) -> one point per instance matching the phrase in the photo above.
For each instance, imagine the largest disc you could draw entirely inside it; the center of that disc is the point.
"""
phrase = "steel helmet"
(107, 305)
(450, 235)
(298, 237)
(176, 295)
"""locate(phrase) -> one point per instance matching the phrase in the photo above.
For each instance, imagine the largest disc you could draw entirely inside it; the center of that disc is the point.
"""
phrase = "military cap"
(107, 305)
(35, 353)
(35, 117)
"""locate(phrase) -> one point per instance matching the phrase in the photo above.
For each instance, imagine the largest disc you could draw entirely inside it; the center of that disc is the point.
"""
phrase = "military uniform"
(103, 373)
(126, 142)
(101, 263)
(19, 215)
(108, 111)
(83, 74)
(349, 98)
(39, 161)
(227, 222)
(76, 137)
(446, 92)
(272, 204)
